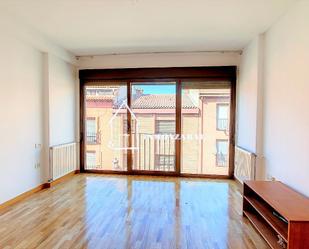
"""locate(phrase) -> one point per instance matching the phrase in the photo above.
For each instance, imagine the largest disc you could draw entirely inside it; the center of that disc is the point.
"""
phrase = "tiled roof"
(148, 101)
(161, 101)
(100, 97)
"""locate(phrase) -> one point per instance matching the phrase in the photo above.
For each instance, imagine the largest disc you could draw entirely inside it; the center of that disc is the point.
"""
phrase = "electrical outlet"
(37, 146)
(37, 165)
(270, 178)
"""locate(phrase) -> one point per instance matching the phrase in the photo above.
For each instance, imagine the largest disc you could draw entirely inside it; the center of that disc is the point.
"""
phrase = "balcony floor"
(96, 211)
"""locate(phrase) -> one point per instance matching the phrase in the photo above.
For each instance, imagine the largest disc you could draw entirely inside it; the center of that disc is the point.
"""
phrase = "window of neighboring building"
(222, 117)
(165, 127)
(91, 130)
(125, 126)
(106, 91)
(222, 152)
(165, 162)
(91, 160)
(100, 91)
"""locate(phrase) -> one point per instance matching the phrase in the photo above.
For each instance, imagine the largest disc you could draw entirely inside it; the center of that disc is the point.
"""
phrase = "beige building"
(204, 135)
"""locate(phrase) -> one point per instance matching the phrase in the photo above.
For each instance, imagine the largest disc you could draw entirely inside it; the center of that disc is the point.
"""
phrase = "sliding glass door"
(205, 131)
(153, 120)
(166, 125)
(106, 136)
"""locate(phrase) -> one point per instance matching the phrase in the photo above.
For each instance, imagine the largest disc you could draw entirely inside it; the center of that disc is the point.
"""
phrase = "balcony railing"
(93, 138)
(221, 160)
(154, 153)
(222, 124)
(151, 153)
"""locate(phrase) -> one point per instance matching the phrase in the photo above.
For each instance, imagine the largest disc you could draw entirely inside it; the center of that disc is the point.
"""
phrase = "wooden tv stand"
(278, 213)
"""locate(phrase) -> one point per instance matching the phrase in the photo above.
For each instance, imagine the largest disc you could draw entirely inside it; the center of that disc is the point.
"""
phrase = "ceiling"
(94, 27)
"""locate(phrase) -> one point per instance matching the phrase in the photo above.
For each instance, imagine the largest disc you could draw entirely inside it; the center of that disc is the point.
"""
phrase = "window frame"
(96, 134)
(95, 158)
(89, 77)
(218, 105)
(225, 155)
(157, 121)
(159, 166)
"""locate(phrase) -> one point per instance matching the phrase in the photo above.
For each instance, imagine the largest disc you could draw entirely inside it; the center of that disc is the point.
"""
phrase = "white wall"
(247, 97)
(21, 113)
(249, 131)
(62, 101)
(273, 96)
(286, 90)
(159, 60)
(12, 26)
(30, 78)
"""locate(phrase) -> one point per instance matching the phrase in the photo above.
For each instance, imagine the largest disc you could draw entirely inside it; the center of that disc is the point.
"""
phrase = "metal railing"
(93, 137)
(222, 124)
(154, 153)
(221, 160)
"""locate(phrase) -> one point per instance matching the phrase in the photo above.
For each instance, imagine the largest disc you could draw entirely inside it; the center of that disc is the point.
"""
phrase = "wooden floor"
(114, 212)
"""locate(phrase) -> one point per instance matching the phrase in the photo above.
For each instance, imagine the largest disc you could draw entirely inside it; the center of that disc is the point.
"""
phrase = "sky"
(156, 89)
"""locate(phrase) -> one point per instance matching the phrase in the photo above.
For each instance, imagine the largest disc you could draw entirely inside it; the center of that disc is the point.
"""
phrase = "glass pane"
(222, 116)
(106, 133)
(205, 123)
(222, 152)
(153, 126)
(91, 158)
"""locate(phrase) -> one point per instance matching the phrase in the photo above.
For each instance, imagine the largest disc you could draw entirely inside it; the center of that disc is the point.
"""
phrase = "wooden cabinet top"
(290, 204)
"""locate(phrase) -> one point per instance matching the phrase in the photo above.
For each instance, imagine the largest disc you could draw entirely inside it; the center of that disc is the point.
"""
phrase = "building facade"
(204, 136)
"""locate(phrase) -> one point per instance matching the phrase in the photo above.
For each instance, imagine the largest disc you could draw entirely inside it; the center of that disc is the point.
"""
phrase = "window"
(91, 131)
(222, 117)
(222, 152)
(91, 160)
(101, 91)
(165, 126)
(102, 125)
(125, 126)
(106, 91)
(165, 162)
